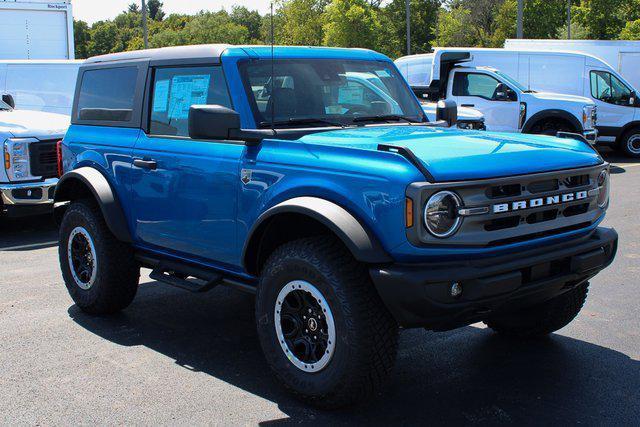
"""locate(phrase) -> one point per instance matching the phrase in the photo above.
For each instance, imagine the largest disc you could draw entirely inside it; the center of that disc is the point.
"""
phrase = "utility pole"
(408, 13)
(145, 32)
(569, 19)
(519, 23)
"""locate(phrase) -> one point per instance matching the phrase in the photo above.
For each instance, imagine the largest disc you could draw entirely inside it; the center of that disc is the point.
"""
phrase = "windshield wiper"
(309, 121)
(383, 118)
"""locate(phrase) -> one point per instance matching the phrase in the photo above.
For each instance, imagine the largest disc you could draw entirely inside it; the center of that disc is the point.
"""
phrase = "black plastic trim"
(408, 154)
(103, 193)
(547, 114)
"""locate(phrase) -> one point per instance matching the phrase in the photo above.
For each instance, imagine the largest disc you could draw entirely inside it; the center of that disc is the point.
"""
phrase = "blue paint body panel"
(194, 206)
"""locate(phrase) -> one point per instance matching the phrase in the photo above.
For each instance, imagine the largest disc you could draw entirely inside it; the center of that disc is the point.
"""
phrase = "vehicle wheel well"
(277, 230)
(539, 125)
(73, 189)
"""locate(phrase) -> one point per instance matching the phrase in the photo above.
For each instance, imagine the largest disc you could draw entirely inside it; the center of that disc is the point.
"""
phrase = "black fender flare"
(364, 246)
(554, 113)
(104, 195)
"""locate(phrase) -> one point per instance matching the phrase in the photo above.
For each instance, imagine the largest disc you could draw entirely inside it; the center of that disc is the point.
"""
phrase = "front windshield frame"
(512, 81)
(412, 109)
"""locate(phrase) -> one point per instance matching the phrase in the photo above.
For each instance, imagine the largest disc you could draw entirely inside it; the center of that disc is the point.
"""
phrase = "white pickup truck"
(30, 162)
(507, 105)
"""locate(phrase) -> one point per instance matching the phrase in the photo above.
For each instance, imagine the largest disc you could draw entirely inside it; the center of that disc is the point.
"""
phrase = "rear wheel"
(322, 326)
(630, 143)
(542, 319)
(99, 271)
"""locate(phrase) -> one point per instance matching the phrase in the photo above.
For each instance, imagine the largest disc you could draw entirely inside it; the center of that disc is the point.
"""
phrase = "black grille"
(43, 159)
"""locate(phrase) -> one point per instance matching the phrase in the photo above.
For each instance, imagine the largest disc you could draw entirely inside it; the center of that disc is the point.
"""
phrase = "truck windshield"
(319, 92)
(512, 81)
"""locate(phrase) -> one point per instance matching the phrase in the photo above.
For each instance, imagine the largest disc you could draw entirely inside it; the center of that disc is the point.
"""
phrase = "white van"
(622, 55)
(572, 73)
(41, 85)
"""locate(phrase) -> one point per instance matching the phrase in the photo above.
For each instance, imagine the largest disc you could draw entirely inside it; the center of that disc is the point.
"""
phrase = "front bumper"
(420, 295)
(591, 136)
(19, 199)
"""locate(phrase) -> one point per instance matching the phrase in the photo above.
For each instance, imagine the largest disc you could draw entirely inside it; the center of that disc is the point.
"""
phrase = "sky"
(96, 10)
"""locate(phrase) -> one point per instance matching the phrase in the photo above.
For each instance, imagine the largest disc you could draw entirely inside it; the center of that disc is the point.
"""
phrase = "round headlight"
(441, 214)
(603, 188)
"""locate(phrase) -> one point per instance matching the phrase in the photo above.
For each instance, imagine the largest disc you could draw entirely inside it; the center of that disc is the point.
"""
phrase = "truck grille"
(43, 159)
(499, 222)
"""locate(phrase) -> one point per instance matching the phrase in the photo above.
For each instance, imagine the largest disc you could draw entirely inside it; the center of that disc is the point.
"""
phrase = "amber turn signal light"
(408, 212)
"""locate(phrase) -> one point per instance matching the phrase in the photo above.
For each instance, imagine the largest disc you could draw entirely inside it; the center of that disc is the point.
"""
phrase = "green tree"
(602, 18)
(81, 39)
(250, 19)
(133, 7)
(350, 23)
(454, 28)
(631, 31)
(155, 10)
(300, 22)
(215, 27)
(424, 14)
(541, 20)
(104, 36)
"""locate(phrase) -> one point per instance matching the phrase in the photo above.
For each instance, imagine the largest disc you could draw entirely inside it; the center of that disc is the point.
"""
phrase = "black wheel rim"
(82, 257)
(305, 326)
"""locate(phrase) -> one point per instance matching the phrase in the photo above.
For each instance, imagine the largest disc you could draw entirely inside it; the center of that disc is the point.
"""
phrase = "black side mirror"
(212, 122)
(501, 92)
(8, 99)
(633, 99)
(447, 110)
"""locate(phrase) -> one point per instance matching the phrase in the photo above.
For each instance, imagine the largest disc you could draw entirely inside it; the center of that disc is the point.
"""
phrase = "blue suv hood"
(453, 155)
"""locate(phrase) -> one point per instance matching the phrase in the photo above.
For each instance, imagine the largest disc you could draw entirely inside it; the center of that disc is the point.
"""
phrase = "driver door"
(612, 99)
(479, 90)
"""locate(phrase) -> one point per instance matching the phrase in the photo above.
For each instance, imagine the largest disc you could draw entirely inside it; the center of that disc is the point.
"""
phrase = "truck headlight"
(603, 188)
(522, 118)
(16, 159)
(588, 117)
(441, 214)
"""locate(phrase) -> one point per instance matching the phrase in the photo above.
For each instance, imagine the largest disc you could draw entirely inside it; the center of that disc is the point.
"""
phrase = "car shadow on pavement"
(469, 375)
(29, 233)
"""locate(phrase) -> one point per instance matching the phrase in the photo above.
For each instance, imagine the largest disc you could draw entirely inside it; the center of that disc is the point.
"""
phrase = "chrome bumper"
(29, 193)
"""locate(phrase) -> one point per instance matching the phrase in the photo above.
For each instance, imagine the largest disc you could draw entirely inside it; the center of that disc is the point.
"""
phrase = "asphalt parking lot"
(175, 357)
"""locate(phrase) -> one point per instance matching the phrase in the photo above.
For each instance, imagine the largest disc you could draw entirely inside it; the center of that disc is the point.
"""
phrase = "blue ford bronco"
(348, 215)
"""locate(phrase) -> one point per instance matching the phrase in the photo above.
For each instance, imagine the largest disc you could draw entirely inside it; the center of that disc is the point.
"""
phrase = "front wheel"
(542, 319)
(322, 326)
(99, 271)
(630, 143)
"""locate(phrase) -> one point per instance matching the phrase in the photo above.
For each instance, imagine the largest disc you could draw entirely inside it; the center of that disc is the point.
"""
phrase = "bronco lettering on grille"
(539, 201)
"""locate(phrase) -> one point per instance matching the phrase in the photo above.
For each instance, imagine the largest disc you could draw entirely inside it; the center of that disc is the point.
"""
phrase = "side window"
(107, 94)
(472, 84)
(176, 89)
(608, 88)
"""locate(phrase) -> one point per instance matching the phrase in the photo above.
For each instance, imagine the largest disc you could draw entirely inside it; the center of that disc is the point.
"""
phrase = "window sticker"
(161, 96)
(351, 94)
(185, 92)
(383, 73)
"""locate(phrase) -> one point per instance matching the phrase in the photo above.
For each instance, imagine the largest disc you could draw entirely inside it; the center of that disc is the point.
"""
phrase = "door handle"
(146, 164)
(467, 105)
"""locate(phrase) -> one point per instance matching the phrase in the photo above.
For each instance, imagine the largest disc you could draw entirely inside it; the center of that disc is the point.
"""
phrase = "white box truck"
(36, 29)
(622, 55)
(568, 73)
(41, 85)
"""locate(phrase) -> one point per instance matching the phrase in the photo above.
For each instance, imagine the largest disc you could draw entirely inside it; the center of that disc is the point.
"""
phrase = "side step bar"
(190, 278)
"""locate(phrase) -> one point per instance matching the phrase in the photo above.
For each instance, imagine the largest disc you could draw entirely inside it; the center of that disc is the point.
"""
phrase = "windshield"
(327, 92)
(511, 81)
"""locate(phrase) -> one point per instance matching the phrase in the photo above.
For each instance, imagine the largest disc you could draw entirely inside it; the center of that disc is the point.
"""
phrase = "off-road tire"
(542, 319)
(117, 272)
(367, 335)
(628, 143)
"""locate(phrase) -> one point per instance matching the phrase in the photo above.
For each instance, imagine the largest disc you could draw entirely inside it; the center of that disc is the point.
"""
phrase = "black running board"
(189, 277)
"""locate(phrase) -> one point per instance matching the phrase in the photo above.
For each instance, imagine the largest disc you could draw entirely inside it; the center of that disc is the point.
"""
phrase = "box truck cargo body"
(622, 55)
(36, 29)
(42, 85)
